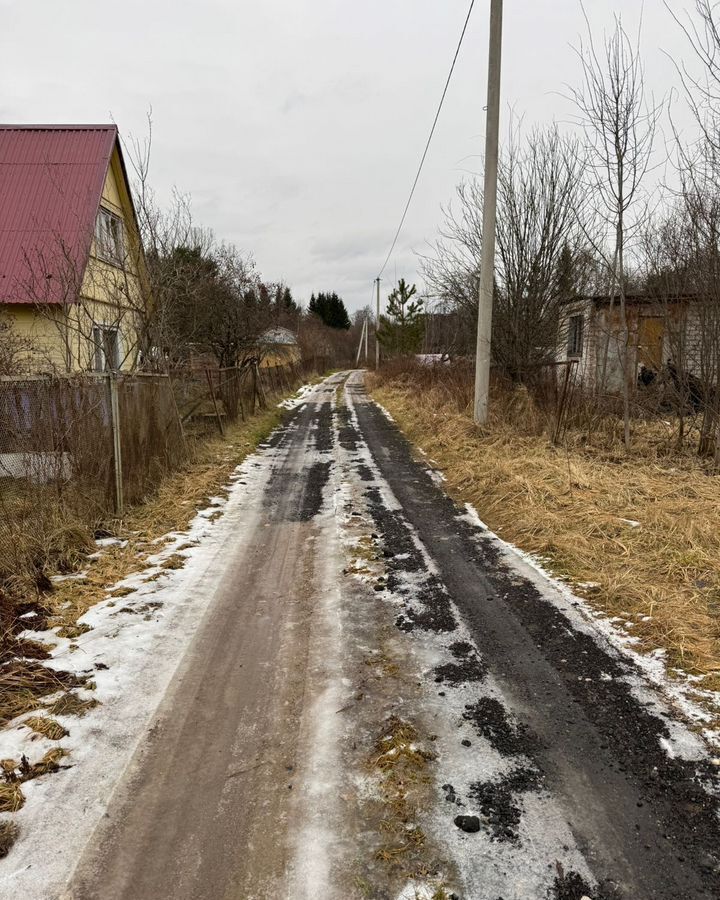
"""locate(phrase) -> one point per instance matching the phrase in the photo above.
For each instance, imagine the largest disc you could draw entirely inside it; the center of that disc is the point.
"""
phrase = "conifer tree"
(403, 325)
(331, 309)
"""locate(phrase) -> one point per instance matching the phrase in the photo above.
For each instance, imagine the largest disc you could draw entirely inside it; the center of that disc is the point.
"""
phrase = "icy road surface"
(374, 697)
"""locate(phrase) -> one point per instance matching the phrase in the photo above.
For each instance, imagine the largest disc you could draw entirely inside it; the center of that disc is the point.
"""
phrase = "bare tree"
(702, 89)
(14, 349)
(698, 164)
(537, 237)
(619, 126)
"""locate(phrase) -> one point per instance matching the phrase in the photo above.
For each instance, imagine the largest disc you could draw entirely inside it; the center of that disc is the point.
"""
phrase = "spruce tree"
(403, 326)
(331, 309)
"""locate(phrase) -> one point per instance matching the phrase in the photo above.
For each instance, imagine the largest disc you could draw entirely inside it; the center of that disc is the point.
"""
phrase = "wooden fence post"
(117, 447)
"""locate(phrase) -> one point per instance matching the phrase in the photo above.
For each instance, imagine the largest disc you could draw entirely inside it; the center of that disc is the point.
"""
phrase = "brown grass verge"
(636, 533)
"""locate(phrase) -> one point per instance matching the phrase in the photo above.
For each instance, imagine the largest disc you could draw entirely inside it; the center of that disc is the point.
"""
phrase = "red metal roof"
(51, 182)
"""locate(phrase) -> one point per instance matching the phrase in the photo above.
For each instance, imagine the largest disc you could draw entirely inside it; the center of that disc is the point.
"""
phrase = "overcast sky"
(297, 126)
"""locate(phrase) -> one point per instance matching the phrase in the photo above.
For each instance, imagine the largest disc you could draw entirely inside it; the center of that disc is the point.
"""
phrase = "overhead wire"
(429, 140)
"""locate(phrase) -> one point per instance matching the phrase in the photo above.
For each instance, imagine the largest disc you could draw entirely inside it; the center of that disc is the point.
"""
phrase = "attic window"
(109, 237)
(575, 336)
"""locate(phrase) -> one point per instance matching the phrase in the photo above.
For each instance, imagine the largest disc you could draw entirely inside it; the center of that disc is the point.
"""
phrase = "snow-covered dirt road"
(373, 697)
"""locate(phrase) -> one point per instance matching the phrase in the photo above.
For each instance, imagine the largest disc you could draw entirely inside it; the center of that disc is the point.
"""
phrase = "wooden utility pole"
(487, 263)
(377, 326)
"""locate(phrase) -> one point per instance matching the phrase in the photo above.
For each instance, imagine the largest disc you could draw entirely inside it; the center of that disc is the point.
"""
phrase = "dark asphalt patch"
(324, 432)
(500, 802)
(297, 496)
(431, 609)
(316, 477)
(490, 721)
(469, 668)
(571, 886)
(347, 433)
(451, 796)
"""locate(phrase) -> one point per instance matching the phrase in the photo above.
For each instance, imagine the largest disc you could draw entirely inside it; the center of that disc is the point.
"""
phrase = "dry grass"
(576, 507)
(71, 704)
(11, 797)
(24, 684)
(176, 561)
(49, 728)
(401, 765)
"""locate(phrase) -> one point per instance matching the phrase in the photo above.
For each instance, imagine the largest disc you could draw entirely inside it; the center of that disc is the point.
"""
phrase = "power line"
(430, 137)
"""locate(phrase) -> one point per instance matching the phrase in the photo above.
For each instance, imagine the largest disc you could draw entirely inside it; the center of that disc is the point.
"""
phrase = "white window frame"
(110, 237)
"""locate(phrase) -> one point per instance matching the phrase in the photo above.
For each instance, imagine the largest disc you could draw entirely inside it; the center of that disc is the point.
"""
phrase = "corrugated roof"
(51, 182)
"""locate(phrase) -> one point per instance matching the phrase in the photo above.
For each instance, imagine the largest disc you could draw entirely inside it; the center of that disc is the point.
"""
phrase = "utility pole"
(367, 329)
(377, 326)
(487, 263)
(360, 344)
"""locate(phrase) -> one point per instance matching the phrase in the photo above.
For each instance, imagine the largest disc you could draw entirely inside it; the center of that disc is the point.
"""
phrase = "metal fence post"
(117, 449)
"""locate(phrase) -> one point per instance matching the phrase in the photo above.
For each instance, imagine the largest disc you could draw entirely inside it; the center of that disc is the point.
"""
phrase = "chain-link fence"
(79, 449)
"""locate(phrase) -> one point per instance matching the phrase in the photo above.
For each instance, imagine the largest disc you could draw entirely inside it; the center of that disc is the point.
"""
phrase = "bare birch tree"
(619, 126)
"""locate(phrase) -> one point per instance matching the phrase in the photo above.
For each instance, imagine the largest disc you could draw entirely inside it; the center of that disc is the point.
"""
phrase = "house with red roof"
(73, 280)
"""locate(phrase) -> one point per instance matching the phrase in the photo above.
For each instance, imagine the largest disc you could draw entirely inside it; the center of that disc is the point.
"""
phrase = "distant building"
(278, 346)
(661, 330)
(72, 271)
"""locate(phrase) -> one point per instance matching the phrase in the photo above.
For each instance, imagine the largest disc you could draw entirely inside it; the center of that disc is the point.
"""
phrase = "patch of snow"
(416, 890)
(385, 413)
(59, 579)
(111, 542)
(301, 397)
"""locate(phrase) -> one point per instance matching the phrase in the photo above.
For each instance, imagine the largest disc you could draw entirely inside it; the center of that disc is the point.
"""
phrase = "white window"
(106, 340)
(109, 238)
(575, 335)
